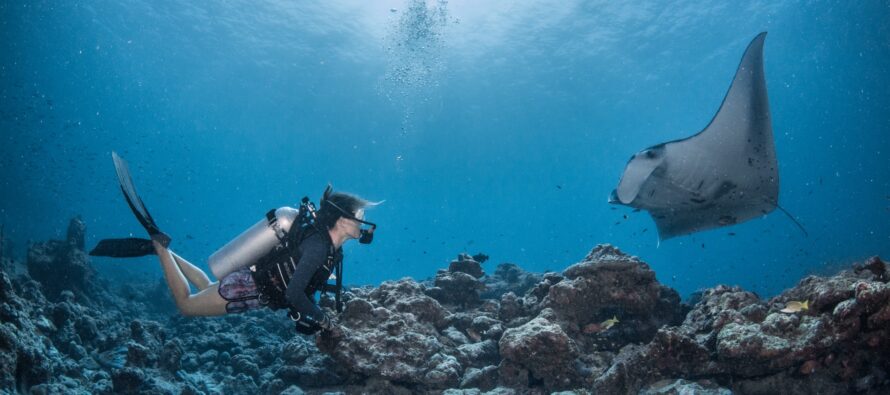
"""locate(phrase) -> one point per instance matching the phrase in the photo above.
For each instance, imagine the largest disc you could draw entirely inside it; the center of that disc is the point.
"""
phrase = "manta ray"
(723, 175)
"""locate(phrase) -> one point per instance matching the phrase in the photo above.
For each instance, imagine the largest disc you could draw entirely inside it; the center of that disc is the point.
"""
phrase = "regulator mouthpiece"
(367, 235)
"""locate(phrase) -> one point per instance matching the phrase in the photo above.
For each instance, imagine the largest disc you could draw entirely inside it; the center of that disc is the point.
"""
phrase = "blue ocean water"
(498, 127)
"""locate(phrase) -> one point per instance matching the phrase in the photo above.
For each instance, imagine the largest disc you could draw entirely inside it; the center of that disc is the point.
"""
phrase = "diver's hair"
(333, 202)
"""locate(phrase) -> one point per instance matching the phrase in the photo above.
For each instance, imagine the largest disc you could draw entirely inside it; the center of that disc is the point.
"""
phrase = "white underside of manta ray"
(723, 175)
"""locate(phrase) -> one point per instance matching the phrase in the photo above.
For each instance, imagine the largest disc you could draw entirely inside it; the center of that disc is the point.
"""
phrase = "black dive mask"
(367, 234)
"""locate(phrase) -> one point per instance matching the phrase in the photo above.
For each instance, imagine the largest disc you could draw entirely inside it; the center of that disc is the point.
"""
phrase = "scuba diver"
(280, 263)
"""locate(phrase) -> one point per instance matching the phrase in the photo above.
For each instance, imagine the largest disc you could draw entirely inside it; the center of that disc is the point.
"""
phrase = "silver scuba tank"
(253, 243)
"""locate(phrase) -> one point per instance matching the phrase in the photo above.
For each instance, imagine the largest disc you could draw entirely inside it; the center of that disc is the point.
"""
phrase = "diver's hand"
(307, 326)
(334, 331)
(325, 324)
(328, 339)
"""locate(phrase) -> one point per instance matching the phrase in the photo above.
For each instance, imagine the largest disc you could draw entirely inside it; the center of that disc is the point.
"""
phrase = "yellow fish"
(796, 307)
(609, 323)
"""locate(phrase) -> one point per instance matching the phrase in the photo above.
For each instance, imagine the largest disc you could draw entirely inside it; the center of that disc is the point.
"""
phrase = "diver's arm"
(313, 257)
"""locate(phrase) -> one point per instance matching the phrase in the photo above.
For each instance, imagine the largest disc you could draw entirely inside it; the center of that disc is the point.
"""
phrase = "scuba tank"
(253, 243)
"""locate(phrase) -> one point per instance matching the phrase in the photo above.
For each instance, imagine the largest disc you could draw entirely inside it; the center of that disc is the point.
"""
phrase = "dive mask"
(367, 234)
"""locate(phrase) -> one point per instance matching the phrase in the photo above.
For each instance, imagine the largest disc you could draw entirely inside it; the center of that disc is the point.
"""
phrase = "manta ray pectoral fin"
(720, 176)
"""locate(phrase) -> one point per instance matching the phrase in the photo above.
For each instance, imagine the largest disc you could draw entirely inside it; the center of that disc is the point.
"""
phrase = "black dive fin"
(131, 247)
(123, 248)
(133, 200)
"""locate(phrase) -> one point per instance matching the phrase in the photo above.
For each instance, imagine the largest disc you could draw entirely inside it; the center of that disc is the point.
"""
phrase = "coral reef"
(604, 325)
(62, 264)
(839, 345)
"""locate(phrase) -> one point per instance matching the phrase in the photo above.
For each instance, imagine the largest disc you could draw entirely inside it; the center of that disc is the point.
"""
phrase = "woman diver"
(281, 262)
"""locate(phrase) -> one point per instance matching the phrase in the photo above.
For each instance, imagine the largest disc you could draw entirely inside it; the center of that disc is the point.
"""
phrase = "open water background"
(497, 127)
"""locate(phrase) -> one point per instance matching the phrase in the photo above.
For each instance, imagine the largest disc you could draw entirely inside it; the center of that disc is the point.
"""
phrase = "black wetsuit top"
(311, 272)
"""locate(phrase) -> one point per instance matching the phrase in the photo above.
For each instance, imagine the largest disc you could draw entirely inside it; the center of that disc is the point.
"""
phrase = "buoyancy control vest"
(274, 271)
(271, 248)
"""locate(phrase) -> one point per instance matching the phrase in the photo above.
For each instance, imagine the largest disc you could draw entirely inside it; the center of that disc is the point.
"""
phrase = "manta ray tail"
(796, 222)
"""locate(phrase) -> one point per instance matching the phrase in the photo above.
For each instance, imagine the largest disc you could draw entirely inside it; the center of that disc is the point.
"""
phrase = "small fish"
(796, 306)
(731, 233)
(559, 187)
(644, 230)
(809, 367)
(625, 216)
(592, 328)
(609, 323)
(636, 210)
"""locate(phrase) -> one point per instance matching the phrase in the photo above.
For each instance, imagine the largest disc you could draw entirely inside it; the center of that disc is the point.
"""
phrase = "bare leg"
(195, 275)
(204, 303)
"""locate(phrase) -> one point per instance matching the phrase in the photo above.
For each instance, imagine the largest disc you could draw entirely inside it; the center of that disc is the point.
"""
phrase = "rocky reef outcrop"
(604, 325)
(839, 344)
(60, 265)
